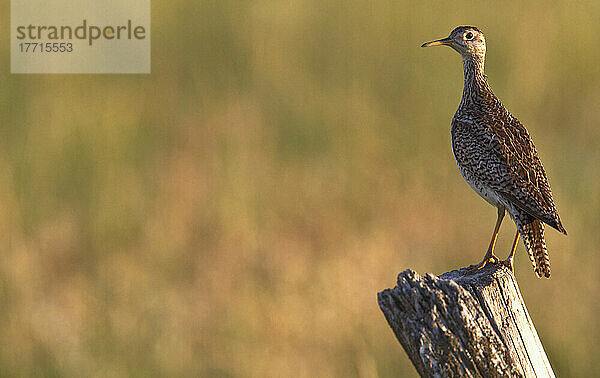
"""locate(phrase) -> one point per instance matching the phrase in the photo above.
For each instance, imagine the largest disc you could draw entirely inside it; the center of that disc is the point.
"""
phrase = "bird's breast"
(480, 188)
(468, 159)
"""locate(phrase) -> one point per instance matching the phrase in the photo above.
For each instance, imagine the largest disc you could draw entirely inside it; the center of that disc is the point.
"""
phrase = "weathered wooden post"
(467, 325)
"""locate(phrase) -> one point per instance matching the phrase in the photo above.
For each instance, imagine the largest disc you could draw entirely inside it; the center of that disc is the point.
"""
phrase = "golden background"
(236, 212)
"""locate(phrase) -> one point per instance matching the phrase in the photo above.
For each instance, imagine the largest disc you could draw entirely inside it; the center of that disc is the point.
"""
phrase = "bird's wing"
(501, 154)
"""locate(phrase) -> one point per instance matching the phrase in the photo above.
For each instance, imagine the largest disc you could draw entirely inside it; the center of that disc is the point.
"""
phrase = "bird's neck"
(476, 84)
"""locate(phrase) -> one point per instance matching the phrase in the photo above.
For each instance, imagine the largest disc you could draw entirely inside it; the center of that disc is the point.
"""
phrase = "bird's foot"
(508, 263)
(487, 260)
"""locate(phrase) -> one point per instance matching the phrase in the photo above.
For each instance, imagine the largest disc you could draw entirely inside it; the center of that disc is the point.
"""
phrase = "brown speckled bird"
(497, 158)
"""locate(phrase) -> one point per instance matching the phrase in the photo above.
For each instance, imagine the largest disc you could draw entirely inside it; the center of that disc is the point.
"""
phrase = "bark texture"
(467, 325)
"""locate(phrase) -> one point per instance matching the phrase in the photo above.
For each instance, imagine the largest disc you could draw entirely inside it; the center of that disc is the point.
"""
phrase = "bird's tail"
(533, 236)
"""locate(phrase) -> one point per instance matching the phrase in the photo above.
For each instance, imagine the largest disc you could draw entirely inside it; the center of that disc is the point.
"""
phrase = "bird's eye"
(469, 36)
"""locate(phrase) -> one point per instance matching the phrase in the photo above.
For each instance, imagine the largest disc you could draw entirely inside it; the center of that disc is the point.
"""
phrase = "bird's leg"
(509, 261)
(489, 255)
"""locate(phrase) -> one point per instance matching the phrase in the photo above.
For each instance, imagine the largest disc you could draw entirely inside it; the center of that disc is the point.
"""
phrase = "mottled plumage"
(496, 156)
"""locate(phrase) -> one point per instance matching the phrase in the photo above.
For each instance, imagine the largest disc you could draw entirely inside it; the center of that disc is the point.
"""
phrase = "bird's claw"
(508, 263)
(488, 260)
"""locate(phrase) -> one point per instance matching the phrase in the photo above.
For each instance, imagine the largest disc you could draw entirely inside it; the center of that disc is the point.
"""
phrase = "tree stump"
(467, 325)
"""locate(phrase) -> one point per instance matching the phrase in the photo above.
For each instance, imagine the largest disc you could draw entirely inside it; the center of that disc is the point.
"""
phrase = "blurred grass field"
(234, 213)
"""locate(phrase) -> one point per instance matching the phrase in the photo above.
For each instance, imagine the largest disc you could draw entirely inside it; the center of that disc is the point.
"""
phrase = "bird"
(496, 156)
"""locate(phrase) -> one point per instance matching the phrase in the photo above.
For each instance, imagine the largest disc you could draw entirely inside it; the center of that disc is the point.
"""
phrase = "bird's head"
(467, 40)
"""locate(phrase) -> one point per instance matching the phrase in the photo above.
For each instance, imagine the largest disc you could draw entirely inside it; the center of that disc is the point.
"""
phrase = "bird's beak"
(439, 42)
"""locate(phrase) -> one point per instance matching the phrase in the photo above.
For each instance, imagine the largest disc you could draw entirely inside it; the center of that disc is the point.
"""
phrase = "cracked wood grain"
(467, 325)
